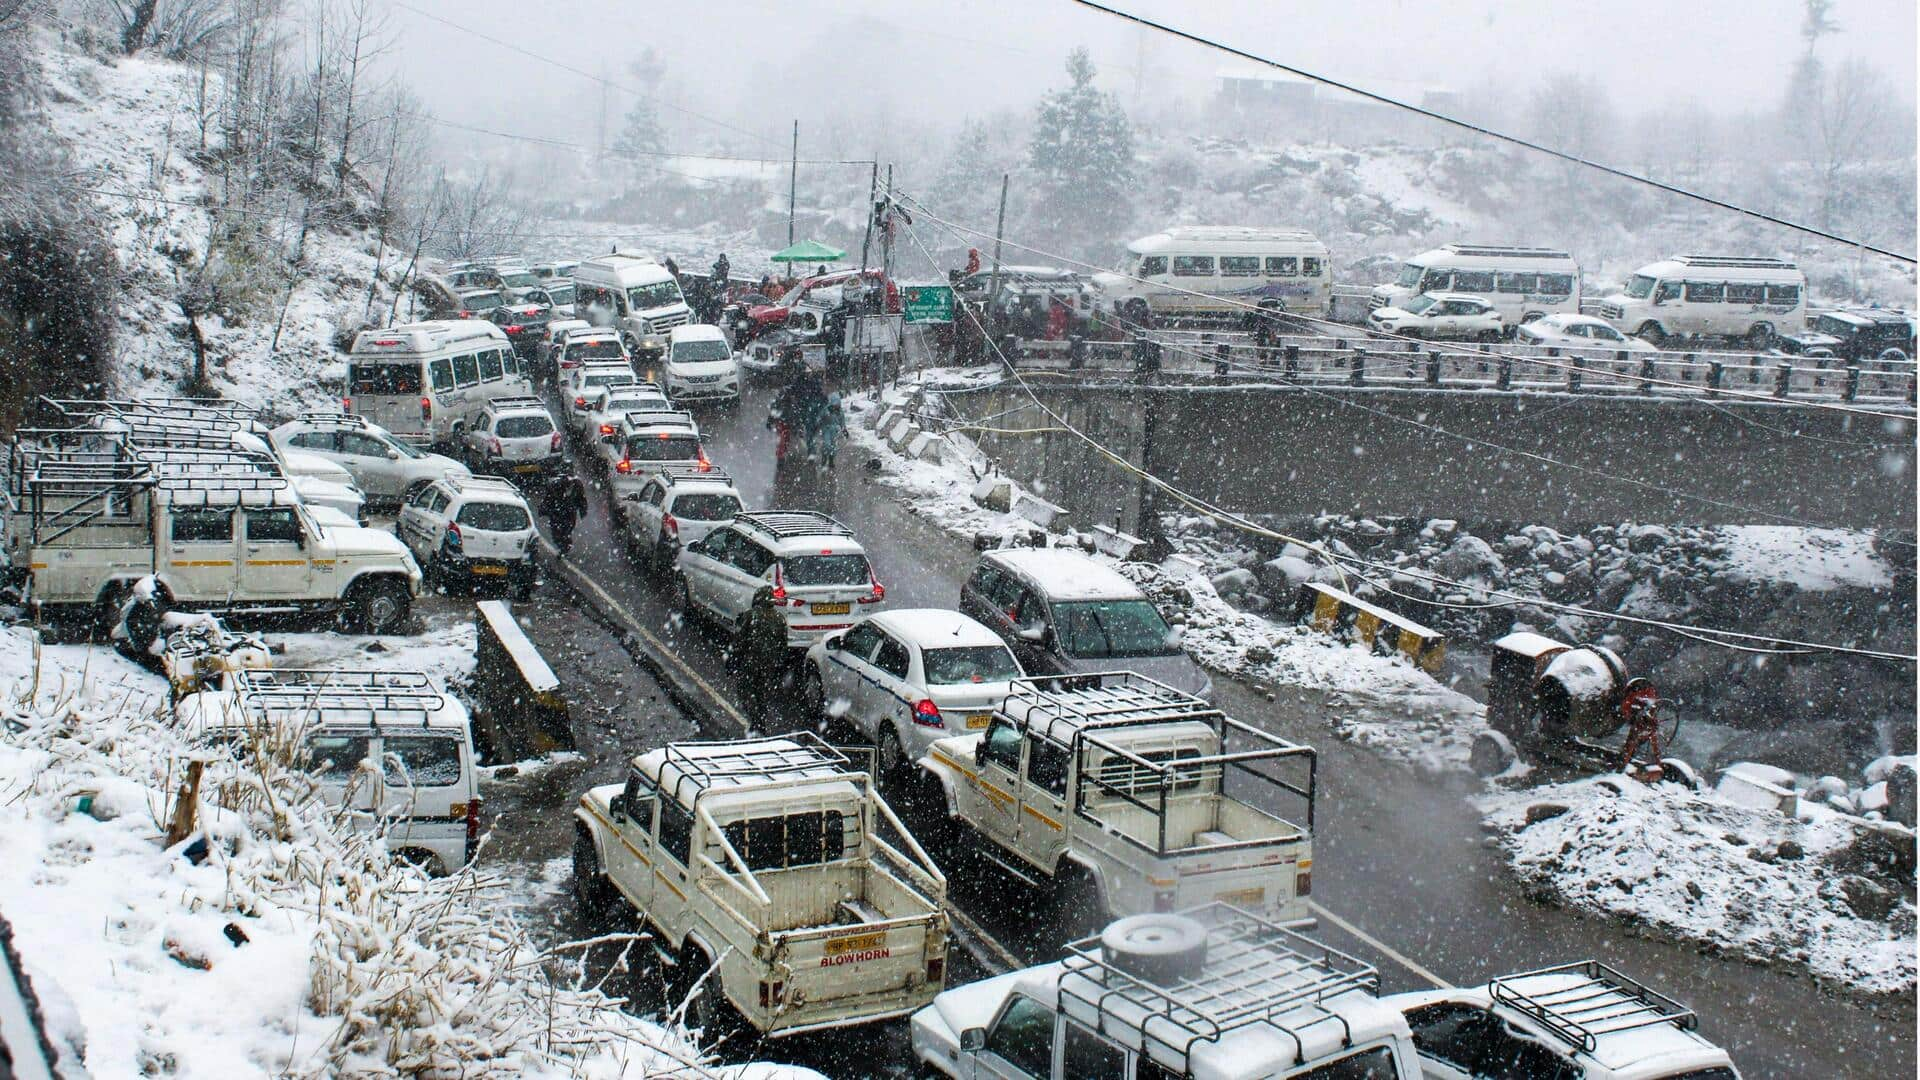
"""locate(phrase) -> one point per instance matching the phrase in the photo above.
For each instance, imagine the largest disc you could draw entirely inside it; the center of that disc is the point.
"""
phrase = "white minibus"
(1691, 296)
(1218, 270)
(1521, 283)
(424, 381)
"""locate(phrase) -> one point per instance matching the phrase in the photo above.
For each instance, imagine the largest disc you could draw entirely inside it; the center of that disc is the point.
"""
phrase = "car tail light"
(493, 446)
(780, 589)
(927, 714)
(388, 341)
(879, 592)
(936, 969)
(1303, 878)
(346, 404)
(473, 824)
(426, 408)
(453, 536)
(624, 465)
(701, 457)
(465, 314)
(606, 429)
(553, 444)
(513, 328)
(669, 527)
(579, 403)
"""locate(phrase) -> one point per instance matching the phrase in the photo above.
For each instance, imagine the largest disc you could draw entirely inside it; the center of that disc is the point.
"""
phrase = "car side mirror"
(300, 539)
(392, 454)
(618, 806)
(831, 644)
(973, 1040)
(1037, 633)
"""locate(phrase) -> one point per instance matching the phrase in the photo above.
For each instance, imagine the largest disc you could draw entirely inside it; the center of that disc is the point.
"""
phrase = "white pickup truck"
(1121, 795)
(87, 515)
(763, 860)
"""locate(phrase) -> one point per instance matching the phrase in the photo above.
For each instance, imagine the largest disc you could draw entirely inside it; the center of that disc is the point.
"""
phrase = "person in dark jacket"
(720, 268)
(563, 502)
(760, 660)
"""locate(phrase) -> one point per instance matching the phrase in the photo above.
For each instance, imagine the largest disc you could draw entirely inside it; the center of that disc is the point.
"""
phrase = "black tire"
(709, 1011)
(1079, 909)
(813, 696)
(662, 556)
(106, 611)
(889, 759)
(1760, 336)
(380, 607)
(1138, 313)
(592, 894)
(683, 598)
(1161, 947)
(1652, 334)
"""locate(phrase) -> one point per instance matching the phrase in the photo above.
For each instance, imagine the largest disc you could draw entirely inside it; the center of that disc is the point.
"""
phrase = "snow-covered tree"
(1082, 158)
(640, 134)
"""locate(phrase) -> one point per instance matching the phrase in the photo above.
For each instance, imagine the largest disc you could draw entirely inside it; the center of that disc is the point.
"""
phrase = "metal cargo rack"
(672, 472)
(324, 693)
(1077, 711)
(193, 476)
(519, 401)
(60, 487)
(1256, 972)
(651, 417)
(1600, 1001)
(787, 524)
(484, 485)
(325, 419)
(733, 763)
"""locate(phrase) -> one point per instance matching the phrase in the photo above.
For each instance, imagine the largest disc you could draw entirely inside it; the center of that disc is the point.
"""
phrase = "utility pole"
(600, 123)
(873, 192)
(886, 238)
(793, 182)
(999, 230)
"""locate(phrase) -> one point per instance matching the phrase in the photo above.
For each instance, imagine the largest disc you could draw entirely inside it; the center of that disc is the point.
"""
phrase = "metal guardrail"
(1365, 361)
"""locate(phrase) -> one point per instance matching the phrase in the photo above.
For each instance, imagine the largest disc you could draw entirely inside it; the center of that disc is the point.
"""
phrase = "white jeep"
(760, 868)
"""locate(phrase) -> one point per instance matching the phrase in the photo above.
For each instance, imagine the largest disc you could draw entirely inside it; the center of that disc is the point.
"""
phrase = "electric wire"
(1481, 129)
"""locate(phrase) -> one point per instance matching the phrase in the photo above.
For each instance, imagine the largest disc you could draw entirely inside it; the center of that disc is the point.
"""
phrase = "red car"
(750, 321)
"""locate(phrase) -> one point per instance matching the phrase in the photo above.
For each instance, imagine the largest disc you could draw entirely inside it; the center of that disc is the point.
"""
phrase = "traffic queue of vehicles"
(1052, 718)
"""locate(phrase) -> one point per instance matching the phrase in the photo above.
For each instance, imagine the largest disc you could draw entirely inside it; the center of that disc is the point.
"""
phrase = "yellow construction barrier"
(1339, 614)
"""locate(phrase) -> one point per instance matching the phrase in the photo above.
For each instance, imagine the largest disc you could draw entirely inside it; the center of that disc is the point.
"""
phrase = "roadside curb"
(693, 695)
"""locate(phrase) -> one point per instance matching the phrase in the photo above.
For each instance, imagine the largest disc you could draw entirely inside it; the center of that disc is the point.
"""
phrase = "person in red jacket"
(1056, 320)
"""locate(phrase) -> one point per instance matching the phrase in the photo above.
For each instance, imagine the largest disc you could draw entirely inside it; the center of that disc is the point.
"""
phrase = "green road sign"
(927, 303)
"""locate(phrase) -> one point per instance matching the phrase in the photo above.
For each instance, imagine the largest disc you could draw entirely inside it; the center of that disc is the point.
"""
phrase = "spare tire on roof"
(1157, 948)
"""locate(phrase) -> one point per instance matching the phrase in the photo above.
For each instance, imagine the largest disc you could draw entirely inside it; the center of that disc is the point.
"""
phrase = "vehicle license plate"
(491, 571)
(979, 720)
(830, 609)
(858, 943)
(527, 468)
(1242, 897)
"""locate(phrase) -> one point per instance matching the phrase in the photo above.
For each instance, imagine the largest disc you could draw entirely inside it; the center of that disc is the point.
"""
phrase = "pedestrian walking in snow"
(563, 502)
(720, 268)
(760, 660)
(833, 420)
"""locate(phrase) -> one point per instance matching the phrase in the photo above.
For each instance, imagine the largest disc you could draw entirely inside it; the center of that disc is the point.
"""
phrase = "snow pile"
(1823, 891)
(1384, 702)
(272, 940)
(134, 129)
(1814, 560)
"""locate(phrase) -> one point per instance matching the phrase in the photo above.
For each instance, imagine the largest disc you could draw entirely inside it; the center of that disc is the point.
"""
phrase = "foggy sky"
(757, 64)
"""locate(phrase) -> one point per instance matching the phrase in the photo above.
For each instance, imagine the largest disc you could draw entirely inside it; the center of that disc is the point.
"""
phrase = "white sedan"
(1440, 315)
(383, 467)
(905, 678)
(1579, 330)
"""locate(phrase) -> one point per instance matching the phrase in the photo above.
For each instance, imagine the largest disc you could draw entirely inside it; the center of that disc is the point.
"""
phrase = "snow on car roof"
(935, 628)
(1675, 1047)
(1068, 575)
(696, 332)
(685, 769)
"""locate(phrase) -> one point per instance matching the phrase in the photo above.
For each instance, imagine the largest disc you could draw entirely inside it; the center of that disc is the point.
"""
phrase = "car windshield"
(494, 517)
(402, 378)
(826, 570)
(481, 301)
(699, 352)
(1640, 287)
(970, 664)
(523, 427)
(560, 294)
(595, 350)
(1104, 628)
(611, 378)
(706, 506)
(1410, 275)
(519, 280)
(663, 447)
(657, 295)
(1418, 304)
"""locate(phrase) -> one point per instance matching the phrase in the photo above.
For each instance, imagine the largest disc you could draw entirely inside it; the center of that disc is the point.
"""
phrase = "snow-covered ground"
(133, 128)
(290, 946)
(1820, 890)
(1389, 704)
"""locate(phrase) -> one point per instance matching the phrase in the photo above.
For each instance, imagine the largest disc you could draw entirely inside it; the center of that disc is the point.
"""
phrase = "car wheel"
(813, 696)
(381, 607)
(591, 890)
(662, 557)
(683, 597)
(708, 1010)
(889, 760)
(1760, 336)
(1892, 356)
(1138, 313)
(1652, 334)
(1490, 335)
(106, 611)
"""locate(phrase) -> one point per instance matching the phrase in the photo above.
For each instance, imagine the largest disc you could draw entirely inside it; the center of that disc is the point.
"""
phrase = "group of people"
(806, 407)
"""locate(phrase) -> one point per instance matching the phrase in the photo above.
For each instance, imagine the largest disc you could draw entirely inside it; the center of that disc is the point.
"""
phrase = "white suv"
(385, 469)
(678, 505)
(905, 678)
(818, 572)
(579, 385)
(699, 365)
(474, 529)
(647, 441)
(514, 436)
(608, 404)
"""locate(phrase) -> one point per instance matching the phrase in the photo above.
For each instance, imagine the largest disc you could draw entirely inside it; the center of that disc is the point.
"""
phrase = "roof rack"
(707, 765)
(645, 417)
(1754, 263)
(1505, 251)
(1256, 972)
(672, 472)
(521, 401)
(323, 418)
(1060, 705)
(481, 484)
(785, 524)
(1598, 1001)
(320, 691)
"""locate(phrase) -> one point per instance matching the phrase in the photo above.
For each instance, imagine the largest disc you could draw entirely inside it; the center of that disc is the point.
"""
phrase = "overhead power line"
(601, 79)
(1481, 129)
(635, 155)
(1706, 634)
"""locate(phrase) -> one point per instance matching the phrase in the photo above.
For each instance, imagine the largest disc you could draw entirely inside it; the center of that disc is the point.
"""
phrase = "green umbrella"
(809, 251)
